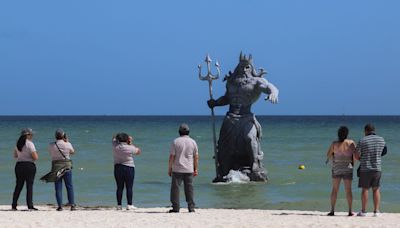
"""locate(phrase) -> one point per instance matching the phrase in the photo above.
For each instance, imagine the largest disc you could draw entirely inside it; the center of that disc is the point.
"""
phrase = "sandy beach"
(157, 217)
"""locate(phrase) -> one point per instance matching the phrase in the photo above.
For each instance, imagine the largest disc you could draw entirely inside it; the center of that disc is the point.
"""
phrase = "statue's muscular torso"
(241, 93)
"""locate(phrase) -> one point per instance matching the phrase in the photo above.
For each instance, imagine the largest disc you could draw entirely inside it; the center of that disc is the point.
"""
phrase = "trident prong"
(209, 77)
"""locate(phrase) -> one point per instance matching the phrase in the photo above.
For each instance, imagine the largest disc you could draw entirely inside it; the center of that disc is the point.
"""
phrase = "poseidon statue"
(240, 135)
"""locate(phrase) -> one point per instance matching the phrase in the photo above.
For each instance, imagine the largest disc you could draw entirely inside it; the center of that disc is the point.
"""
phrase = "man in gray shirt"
(182, 166)
(370, 150)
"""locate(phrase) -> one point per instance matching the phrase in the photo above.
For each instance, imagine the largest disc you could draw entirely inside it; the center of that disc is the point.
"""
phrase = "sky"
(140, 57)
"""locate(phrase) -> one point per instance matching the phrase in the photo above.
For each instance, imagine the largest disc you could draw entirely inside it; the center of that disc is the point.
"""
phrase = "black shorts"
(369, 179)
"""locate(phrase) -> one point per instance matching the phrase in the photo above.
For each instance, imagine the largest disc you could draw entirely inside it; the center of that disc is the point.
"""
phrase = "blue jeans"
(124, 176)
(67, 177)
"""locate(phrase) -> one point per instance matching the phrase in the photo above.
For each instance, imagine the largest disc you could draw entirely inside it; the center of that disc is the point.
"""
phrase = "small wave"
(237, 177)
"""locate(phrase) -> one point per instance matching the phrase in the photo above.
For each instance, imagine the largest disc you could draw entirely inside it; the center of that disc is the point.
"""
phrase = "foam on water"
(235, 176)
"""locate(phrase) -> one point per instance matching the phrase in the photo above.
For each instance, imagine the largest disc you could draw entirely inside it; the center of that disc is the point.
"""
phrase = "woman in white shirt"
(124, 167)
(25, 169)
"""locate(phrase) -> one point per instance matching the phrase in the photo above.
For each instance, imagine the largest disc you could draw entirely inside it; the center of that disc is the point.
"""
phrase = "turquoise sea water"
(288, 142)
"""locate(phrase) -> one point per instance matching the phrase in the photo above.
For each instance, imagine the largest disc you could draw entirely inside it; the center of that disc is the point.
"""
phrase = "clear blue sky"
(140, 57)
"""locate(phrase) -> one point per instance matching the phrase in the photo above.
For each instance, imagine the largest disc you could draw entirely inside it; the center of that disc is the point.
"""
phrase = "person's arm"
(196, 164)
(35, 155)
(329, 154)
(15, 153)
(138, 151)
(354, 149)
(171, 159)
(268, 88)
(357, 154)
(384, 152)
(114, 141)
(170, 162)
(71, 149)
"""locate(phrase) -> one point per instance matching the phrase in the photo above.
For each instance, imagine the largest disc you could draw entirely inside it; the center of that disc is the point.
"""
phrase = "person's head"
(369, 128)
(343, 132)
(122, 137)
(245, 68)
(26, 133)
(184, 129)
(60, 134)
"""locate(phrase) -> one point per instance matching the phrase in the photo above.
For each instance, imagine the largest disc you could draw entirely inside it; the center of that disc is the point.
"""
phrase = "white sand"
(157, 217)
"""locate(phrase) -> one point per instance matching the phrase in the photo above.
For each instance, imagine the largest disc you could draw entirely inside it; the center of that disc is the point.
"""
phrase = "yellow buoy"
(302, 167)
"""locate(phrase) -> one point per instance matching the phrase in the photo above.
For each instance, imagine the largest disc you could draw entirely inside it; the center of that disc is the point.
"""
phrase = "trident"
(210, 77)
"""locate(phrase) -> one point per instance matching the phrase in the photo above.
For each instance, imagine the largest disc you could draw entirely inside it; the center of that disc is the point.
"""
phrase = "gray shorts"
(345, 176)
(369, 179)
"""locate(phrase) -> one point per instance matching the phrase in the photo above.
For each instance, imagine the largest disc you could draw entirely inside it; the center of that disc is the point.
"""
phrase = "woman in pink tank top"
(341, 153)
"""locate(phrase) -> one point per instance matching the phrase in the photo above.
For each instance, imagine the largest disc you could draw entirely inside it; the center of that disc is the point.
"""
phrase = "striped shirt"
(370, 149)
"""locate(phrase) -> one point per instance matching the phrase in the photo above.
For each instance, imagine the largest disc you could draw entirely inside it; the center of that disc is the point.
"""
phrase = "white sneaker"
(362, 214)
(119, 207)
(130, 207)
(377, 214)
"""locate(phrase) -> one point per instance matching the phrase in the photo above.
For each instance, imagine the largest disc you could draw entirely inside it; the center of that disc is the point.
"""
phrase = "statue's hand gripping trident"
(210, 77)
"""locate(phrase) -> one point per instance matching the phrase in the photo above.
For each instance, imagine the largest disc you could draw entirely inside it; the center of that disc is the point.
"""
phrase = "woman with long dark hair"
(25, 169)
(342, 153)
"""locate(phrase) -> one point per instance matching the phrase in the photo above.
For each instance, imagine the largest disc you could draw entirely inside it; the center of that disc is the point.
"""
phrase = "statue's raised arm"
(270, 89)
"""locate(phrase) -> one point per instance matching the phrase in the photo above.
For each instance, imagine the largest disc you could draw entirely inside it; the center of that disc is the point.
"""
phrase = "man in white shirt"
(183, 166)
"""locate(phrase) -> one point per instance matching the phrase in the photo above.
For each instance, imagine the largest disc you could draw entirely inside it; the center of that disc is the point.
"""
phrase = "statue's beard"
(241, 79)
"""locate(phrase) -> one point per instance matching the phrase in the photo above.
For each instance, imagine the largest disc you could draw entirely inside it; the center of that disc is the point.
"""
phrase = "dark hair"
(21, 142)
(59, 136)
(342, 133)
(122, 137)
(369, 128)
(181, 133)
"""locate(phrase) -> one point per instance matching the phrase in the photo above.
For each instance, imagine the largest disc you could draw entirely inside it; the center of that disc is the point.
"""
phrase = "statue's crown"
(243, 58)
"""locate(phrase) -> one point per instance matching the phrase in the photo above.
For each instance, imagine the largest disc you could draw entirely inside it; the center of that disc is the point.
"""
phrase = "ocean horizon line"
(201, 115)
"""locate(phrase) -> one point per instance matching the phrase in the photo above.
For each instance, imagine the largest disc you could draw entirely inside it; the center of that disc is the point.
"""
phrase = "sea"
(287, 143)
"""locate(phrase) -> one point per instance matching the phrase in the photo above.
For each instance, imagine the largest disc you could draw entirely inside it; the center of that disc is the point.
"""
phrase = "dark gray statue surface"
(240, 135)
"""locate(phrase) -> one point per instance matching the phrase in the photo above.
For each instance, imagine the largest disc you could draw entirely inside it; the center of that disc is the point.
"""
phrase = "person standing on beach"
(183, 166)
(25, 168)
(370, 150)
(60, 152)
(124, 167)
(342, 154)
